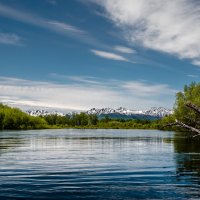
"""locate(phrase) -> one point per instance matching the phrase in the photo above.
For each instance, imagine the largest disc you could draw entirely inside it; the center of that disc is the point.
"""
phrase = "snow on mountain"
(158, 112)
(154, 112)
(120, 110)
(101, 111)
(43, 113)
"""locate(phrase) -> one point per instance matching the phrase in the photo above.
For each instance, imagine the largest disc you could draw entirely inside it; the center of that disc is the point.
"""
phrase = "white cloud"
(60, 26)
(10, 38)
(192, 76)
(196, 62)
(84, 95)
(52, 2)
(84, 79)
(29, 18)
(168, 26)
(145, 89)
(79, 79)
(123, 49)
(109, 55)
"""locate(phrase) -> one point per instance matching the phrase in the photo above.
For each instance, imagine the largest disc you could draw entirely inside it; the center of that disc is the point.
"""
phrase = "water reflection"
(9, 142)
(97, 164)
(187, 156)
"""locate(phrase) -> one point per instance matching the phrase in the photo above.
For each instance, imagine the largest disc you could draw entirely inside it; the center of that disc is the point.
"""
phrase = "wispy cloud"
(29, 18)
(78, 79)
(192, 76)
(140, 88)
(52, 2)
(109, 55)
(196, 62)
(124, 49)
(168, 26)
(10, 38)
(60, 26)
(84, 95)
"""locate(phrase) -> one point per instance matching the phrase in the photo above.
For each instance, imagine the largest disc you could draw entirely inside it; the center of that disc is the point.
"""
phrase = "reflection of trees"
(187, 156)
(9, 143)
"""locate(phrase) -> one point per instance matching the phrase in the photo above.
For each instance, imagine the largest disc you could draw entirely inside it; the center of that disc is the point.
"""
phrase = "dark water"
(98, 164)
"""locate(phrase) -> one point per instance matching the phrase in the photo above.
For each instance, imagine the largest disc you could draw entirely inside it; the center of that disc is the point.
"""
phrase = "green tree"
(2, 115)
(187, 109)
(183, 113)
(92, 119)
(13, 118)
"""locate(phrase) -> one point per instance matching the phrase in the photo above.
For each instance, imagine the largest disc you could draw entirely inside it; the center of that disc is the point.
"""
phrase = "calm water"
(98, 164)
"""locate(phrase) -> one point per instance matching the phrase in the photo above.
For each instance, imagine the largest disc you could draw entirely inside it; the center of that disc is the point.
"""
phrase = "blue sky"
(79, 54)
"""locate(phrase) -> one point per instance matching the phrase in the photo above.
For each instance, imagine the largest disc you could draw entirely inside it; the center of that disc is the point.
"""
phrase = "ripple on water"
(97, 164)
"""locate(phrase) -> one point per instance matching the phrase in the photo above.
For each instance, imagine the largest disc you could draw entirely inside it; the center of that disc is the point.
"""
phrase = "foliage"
(128, 124)
(13, 118)
(191, 93)
(56, 120)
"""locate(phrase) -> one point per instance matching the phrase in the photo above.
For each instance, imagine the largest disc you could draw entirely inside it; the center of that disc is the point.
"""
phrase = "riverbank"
(15, 119)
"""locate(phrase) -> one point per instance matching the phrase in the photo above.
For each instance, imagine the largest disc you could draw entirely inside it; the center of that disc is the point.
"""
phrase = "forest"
(15, 119)
(183, 118)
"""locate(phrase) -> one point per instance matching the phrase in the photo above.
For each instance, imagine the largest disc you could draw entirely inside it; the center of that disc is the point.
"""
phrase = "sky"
(80, 54)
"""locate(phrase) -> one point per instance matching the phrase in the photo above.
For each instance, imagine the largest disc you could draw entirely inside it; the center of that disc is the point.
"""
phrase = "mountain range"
(123, 113)
(36, 113)
(120, 113)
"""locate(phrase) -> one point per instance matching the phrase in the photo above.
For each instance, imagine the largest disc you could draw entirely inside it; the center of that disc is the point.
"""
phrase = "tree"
(92, 119)
(13, 118)
(2, 115)
(187, 108)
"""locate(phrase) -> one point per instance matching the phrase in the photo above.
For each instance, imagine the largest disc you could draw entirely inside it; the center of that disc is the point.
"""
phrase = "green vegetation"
(186, 110)
(182, 111)
(76, 120)
(13, 118)
(84, 120)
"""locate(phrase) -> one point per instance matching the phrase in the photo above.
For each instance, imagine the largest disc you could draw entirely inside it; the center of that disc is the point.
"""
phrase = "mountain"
(43, 113)
(123, 113)
(120, 110)
(120, 113)
(160, 112)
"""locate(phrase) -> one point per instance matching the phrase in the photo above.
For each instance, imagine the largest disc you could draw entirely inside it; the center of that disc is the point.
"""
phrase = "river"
(98, 164)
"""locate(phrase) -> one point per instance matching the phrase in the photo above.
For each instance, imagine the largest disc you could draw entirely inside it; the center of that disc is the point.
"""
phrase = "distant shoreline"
(15, 119)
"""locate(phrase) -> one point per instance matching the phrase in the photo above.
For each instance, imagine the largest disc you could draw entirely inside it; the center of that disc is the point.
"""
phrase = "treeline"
(186, 116)
(15, 119)
(84, 120)
(74, 120)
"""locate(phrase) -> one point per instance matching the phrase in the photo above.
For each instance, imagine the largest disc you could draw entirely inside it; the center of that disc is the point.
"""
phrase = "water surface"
(98, 164)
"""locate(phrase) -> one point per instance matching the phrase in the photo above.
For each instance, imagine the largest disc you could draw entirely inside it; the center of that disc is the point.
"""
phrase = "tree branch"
(193, 107)
(196, 135)
(181, 124)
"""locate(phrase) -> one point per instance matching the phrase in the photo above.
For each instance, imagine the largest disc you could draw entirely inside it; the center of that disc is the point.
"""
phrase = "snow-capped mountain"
(160, 112)
(120, 110)
(155, 112)
(43, 113)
